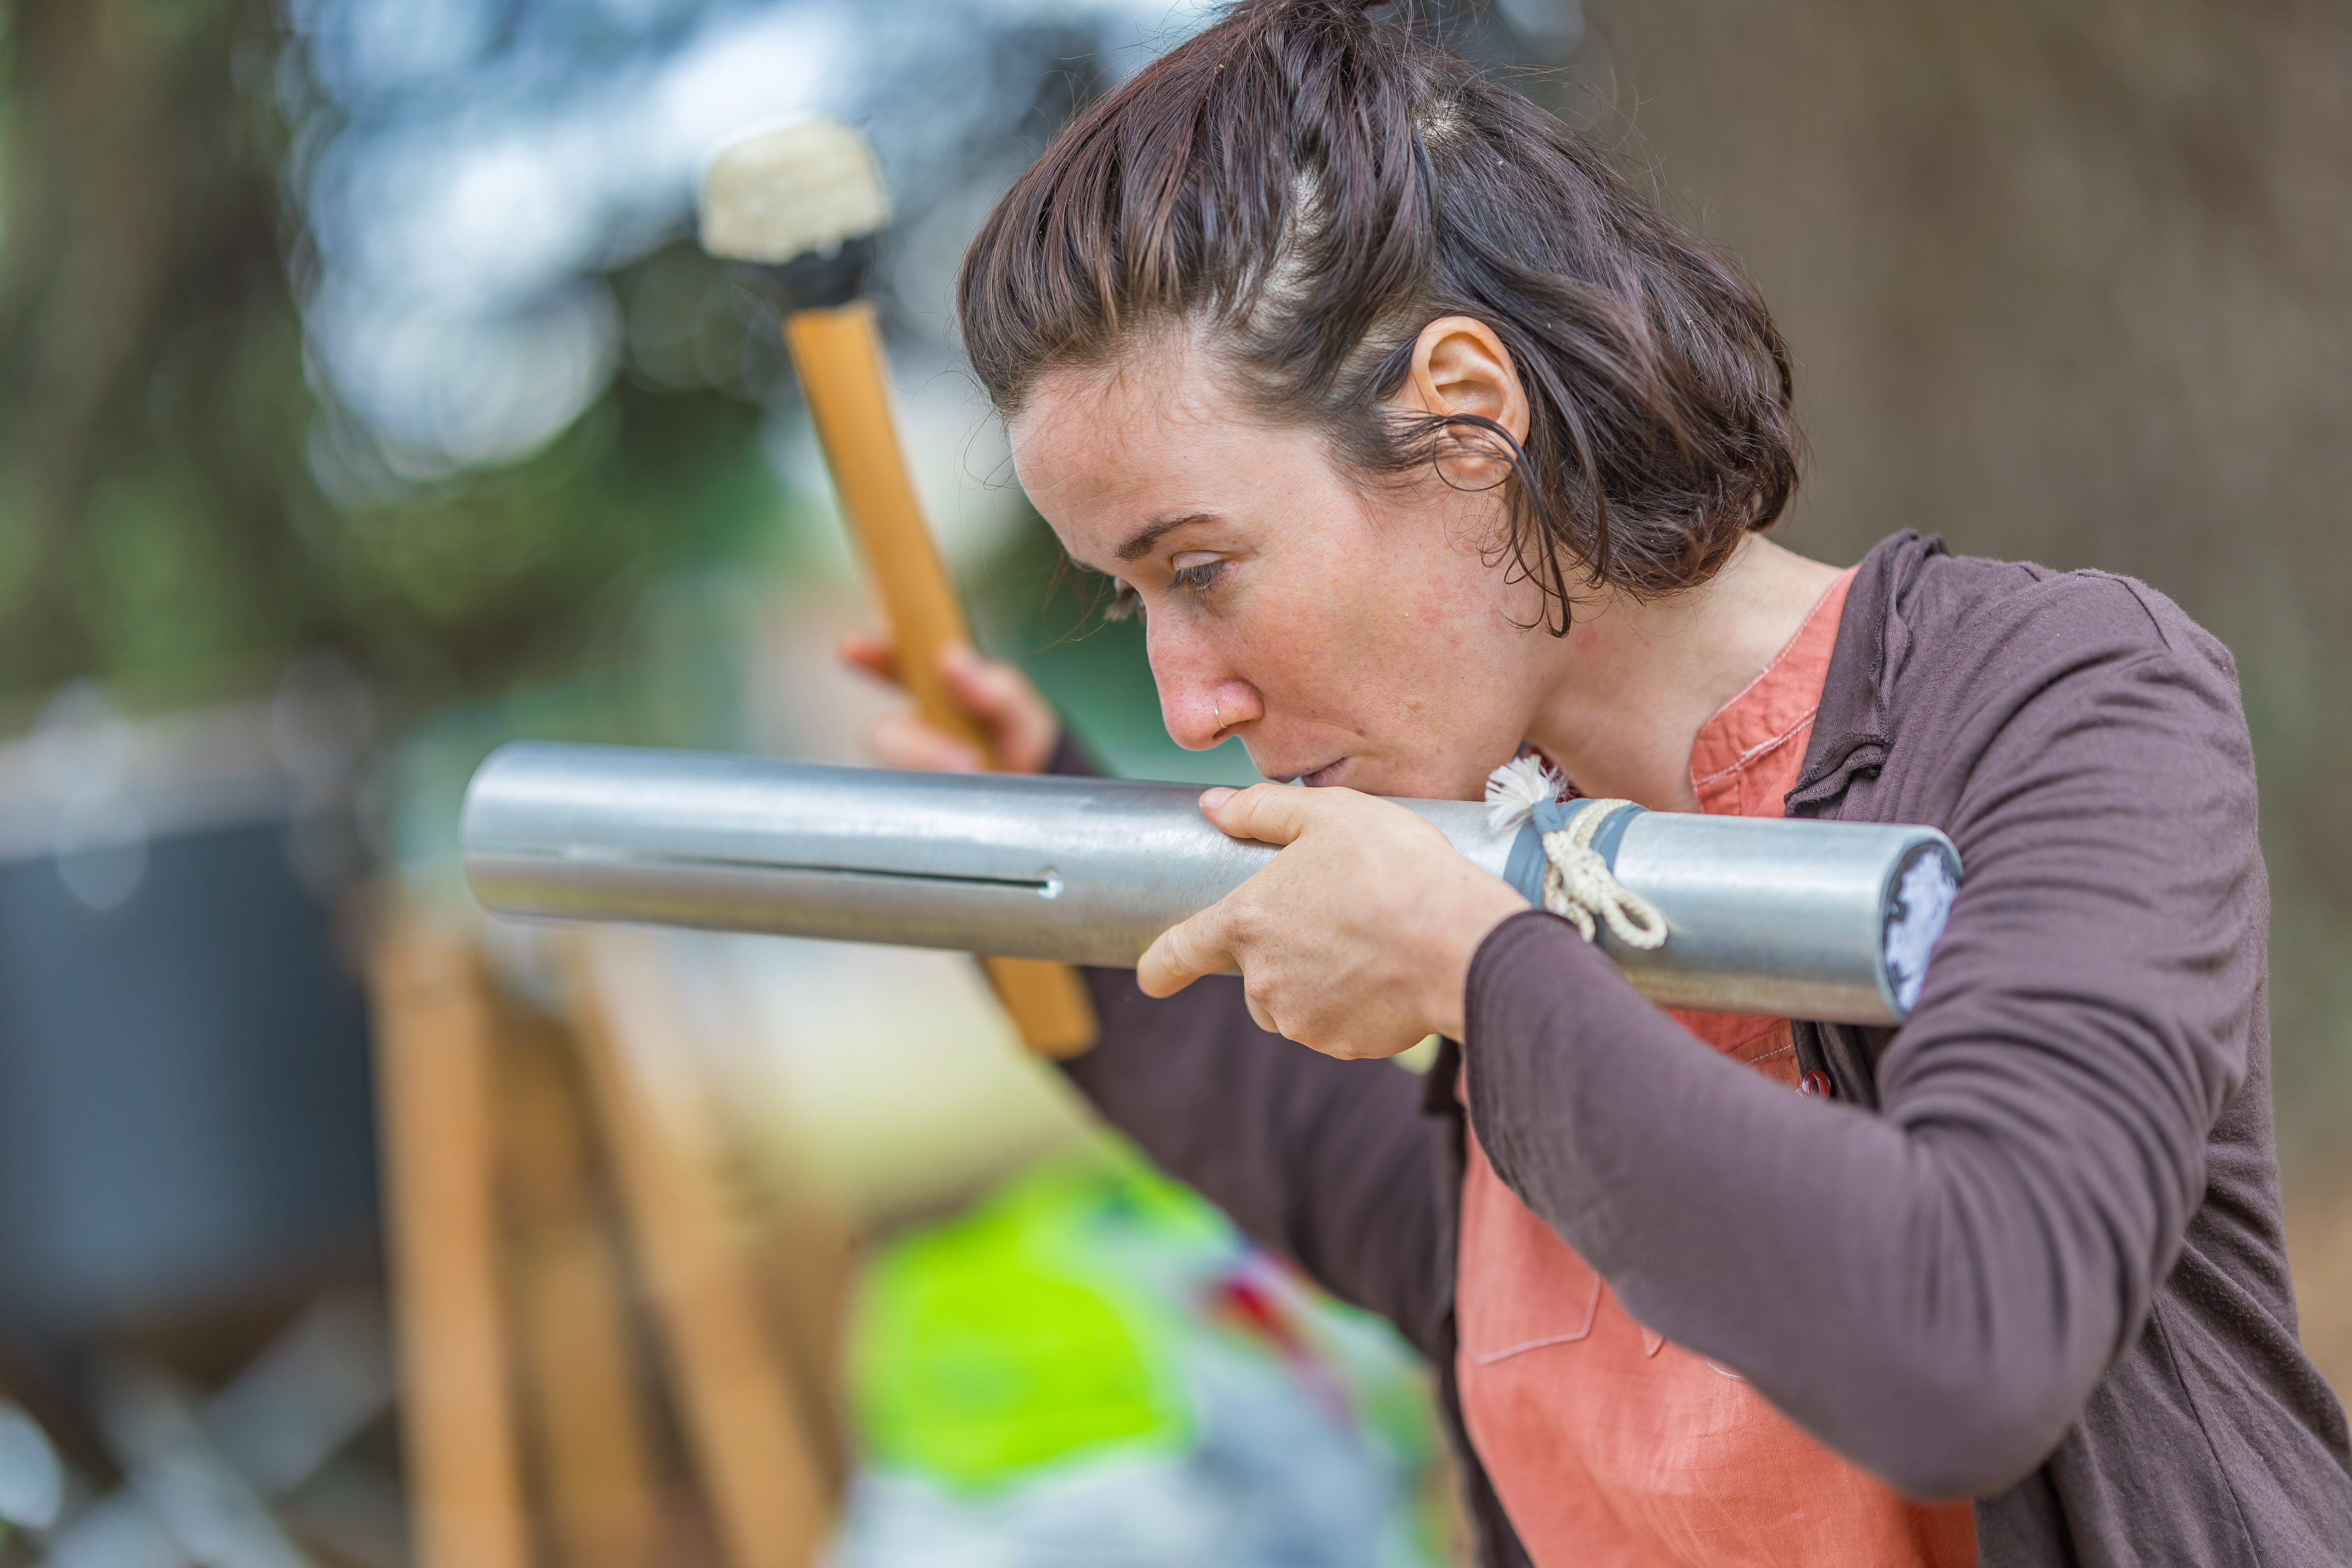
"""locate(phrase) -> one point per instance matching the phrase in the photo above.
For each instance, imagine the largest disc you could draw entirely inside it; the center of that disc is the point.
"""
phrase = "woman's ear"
(1461, 367)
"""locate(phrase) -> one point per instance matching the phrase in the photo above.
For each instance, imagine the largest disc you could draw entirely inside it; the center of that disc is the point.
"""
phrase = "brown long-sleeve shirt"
(2035, 1258)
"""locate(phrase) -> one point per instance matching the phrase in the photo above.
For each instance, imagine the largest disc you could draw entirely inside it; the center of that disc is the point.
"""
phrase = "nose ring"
(1214, 707)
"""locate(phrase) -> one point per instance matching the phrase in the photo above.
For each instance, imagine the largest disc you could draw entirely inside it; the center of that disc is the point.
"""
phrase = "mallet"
(798, 210)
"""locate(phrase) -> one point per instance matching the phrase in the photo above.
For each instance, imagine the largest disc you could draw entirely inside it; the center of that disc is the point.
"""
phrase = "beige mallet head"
(800, 205)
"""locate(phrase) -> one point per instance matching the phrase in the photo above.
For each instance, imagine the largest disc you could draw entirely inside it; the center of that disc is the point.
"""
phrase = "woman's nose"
(1202, 718)
(1201, 710)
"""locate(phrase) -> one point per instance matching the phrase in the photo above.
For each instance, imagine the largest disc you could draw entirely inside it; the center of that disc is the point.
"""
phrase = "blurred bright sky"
(469, 169)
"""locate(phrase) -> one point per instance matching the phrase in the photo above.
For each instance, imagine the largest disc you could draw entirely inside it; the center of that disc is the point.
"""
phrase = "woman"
(1418, 439)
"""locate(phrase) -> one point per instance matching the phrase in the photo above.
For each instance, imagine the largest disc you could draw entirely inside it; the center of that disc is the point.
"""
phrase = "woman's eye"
(1126, 602)
(1196, 579)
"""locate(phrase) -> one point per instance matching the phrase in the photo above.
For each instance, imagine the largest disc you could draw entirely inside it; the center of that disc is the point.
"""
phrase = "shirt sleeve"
(1933, 1290)
(1329, 1164)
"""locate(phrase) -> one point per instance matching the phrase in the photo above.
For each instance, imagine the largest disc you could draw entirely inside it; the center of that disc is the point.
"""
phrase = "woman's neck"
(1633, 683)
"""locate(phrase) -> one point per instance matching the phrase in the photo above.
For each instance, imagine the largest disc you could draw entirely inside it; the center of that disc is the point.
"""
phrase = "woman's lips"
(1329, 774)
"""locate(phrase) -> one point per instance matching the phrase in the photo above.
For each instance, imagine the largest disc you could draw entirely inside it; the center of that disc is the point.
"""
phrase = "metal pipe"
(1787, 919)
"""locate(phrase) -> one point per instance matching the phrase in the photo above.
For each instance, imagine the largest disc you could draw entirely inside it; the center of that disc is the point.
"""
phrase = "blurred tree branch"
(140, 250)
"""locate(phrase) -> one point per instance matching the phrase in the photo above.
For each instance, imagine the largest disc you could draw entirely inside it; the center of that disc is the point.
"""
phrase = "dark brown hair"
(1308, 187)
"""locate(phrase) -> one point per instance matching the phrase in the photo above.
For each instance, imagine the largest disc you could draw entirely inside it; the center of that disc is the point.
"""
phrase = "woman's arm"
(1933, 1290)
(1329, 1164)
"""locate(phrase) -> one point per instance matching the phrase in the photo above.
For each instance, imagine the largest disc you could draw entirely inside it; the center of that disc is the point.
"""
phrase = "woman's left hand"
(1357, 940)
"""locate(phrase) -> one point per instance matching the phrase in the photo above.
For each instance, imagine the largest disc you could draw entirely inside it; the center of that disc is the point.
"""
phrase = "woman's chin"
(1425, 778)
(1375, 775)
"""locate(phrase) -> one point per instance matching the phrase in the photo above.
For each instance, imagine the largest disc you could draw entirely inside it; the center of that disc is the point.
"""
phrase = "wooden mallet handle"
(838, 352)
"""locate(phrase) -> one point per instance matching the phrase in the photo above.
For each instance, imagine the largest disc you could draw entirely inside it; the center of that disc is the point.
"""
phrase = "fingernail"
(1211, 799)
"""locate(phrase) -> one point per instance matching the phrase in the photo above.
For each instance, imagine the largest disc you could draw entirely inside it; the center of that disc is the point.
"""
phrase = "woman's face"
(1352, 633)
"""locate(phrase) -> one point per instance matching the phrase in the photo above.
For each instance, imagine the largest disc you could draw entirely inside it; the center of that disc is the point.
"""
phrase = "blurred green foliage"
(509, 573)
(165, 459)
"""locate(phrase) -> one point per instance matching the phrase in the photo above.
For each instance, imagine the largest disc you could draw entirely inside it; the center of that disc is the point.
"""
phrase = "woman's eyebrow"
(1139, 543)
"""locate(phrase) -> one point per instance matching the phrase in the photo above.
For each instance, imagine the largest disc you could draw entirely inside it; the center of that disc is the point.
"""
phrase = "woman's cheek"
(1301, 636)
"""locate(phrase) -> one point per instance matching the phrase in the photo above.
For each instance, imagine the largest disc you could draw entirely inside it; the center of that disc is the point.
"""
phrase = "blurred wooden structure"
(434, 1026)
(570, 1255)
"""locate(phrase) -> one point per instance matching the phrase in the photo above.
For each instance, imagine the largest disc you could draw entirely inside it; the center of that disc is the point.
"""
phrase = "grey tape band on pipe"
(1524, 870)
(1527, 859)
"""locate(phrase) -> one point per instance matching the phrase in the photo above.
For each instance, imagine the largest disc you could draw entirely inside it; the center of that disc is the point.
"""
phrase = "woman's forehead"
(1089, 434)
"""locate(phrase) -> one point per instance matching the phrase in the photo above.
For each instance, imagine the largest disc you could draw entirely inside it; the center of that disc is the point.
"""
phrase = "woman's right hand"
(1010, 710)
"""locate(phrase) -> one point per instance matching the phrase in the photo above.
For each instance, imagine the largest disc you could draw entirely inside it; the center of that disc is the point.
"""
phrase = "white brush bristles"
(781, 194)
(1517, 788)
